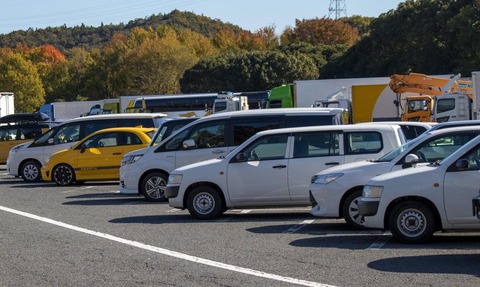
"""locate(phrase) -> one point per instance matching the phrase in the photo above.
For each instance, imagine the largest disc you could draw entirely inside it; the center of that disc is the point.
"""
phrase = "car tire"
(350, 210)
(63, 175)
(153, 186)
(30, 171)
(412, 222)
(204, 202)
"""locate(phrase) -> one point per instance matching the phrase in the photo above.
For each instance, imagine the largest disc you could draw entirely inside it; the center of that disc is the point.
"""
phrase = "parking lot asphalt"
(90, 234)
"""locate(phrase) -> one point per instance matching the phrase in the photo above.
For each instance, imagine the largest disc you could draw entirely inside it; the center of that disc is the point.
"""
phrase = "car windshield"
(394, 153)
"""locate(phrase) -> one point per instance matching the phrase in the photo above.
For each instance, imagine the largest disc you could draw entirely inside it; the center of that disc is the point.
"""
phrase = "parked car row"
(368, 174)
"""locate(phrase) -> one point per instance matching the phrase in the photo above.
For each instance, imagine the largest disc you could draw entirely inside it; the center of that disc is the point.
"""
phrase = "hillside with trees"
(181, 52)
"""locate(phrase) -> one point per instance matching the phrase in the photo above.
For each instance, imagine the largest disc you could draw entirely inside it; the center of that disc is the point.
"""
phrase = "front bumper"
(172, 191)
(368, 208)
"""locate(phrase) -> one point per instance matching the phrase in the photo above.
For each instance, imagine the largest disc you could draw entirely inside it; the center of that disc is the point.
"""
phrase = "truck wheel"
(204, 202)
(30, 171)
(153, 186)
(63, 174)
(350, 210)
(412, 222)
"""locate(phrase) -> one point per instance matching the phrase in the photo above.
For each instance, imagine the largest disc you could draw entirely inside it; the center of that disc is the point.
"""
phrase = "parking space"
(93, 228)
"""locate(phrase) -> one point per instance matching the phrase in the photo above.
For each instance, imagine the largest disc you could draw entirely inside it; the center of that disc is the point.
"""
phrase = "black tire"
(30, 171)
(153, 186)
(350, 210)
(63, 175)
(412, 222)
(204, 202)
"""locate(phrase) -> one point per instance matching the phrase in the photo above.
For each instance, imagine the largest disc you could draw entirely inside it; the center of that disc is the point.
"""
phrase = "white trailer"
(61, 111)
(6, 104)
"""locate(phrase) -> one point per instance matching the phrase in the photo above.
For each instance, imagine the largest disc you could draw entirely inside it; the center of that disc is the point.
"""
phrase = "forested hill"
(65, 38)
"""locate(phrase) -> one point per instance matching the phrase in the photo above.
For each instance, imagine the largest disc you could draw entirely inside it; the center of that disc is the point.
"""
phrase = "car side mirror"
(83, 147)
(189, 144)
(410, 160)
(462, 164)
(241, 157)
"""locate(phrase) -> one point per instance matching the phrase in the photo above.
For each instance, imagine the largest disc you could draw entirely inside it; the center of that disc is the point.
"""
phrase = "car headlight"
(325, 178)
(175, 179)
(131, 159)
(372, 191)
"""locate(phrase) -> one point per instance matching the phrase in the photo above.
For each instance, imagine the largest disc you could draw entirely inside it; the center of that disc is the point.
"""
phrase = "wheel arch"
(25, 161)
(426, 201)
(189, 189)
(344, 197)
(147, 172)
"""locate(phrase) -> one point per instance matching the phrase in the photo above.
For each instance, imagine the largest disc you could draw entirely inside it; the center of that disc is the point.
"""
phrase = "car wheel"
(63, 175)
(153, 186)
(412, 222)
(350, 210)
(204, 202)
(30, 171)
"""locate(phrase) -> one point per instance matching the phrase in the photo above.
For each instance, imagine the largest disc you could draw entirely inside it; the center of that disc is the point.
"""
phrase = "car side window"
(243, 129)
(103, 140)
(209, 135)
(363, 142)
(67, 133)
(441, 147)
(267, 148)
(131, 139)
(316, 144)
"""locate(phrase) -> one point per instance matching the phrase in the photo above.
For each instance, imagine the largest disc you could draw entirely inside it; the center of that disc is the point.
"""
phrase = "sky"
(248, 14)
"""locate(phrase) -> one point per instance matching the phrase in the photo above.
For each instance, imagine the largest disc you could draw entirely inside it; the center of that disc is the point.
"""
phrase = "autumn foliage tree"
(20, 76)
(321, 31)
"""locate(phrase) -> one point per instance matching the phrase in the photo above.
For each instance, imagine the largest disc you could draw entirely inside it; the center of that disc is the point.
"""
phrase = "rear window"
(363, 142)
(313, 120)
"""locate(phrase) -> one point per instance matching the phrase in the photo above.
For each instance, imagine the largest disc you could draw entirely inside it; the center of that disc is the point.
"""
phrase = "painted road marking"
(297, 227)
(382, 240)
(169, 252)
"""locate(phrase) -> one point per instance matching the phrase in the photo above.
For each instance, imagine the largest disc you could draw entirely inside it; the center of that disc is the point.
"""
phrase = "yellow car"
(96, 157)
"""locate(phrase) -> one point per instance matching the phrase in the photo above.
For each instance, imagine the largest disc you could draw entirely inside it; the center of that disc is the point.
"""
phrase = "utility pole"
(338, 8)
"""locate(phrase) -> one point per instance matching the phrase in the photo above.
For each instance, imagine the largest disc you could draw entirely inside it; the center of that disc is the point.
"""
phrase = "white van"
(274, 168)
(146, 171)
(26, 159)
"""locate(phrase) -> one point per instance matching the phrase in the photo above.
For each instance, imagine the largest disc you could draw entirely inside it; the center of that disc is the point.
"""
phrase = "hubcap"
(353, 212)
(30, 172)
(155, 187)
(412, 222)
(63, 175)
(203, 203)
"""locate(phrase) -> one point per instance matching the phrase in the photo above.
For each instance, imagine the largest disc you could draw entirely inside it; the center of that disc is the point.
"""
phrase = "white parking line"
(297, 227)
(382, 240)
(169, 252)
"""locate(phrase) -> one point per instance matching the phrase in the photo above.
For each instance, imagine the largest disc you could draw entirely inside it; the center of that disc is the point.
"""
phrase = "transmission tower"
(338, 8)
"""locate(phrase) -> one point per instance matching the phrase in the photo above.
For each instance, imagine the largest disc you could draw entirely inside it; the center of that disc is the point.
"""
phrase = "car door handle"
(332, 163)
(279, 166)
(117, 153)
(218, 151)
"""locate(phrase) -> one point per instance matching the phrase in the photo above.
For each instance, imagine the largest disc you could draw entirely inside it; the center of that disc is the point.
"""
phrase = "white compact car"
(335, 192)
(415, 202)
(273, 168)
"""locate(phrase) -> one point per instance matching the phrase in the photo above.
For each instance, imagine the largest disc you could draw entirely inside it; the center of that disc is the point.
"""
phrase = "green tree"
(20, 76)
(247, 71)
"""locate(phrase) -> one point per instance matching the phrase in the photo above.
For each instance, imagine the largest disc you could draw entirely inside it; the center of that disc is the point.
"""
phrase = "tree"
(321, 31)
(21, 77)
(247, 71)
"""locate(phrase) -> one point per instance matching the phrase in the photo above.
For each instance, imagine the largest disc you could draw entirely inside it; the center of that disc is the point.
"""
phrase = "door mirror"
(83, 147)
(241, 157)
(410, 160)
(462, 164)
(189, 144)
